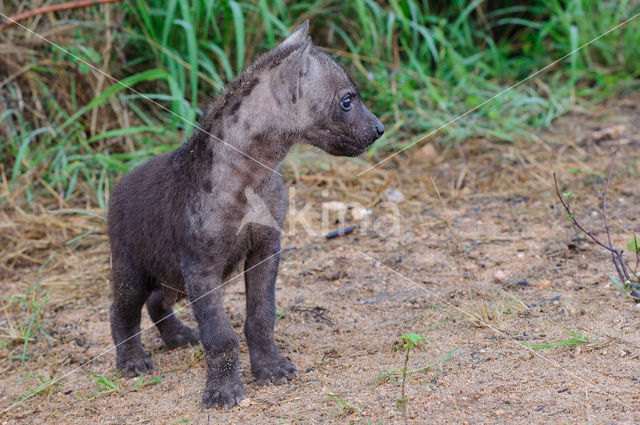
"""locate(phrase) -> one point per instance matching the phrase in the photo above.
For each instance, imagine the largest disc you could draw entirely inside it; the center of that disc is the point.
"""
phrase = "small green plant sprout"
(634, 245)
(347, 408)
(106, 385)
(141, 383)
(48, 385)
(568, 196)
(410, 342)
(391, 375)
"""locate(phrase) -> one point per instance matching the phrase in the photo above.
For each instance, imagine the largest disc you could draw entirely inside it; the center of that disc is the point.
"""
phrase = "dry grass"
(35, 232)
(493, 310)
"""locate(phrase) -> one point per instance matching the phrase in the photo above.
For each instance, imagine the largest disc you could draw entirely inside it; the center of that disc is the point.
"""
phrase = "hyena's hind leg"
(129, 294)
(173, 332)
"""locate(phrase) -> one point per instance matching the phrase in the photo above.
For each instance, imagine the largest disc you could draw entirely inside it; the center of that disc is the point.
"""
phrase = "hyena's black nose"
(379, 128)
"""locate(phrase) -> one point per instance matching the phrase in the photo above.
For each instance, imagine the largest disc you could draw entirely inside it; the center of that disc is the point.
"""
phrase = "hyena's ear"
(299, 35)
(287, 82)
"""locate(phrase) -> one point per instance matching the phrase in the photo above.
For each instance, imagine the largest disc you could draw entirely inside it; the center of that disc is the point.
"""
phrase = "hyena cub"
(176, 224)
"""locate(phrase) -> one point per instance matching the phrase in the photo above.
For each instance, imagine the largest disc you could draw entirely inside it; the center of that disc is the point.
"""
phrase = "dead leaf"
(609, 133)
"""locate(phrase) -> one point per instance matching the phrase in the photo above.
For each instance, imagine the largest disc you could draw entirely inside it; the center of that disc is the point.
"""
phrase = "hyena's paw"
(273, 369)
(180, 336)
(223, 393)
(134, 366)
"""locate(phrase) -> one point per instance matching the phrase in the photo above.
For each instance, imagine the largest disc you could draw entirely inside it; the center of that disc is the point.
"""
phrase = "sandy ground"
(492, 275)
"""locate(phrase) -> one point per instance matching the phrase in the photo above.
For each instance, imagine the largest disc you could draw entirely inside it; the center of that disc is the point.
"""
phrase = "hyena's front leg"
(261, 266)
(203, 283)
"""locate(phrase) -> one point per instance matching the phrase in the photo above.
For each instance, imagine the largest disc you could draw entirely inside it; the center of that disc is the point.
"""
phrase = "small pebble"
(499, 276)
(359, 213)
(393, 195)
(246, 402)
(427, 152)
(499, 412)
(334, 206)
(544, 284)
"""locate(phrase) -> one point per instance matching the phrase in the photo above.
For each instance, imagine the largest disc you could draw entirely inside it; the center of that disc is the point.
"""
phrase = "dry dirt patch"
(520, 319)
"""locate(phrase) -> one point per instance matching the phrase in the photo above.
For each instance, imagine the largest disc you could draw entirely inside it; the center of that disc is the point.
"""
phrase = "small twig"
(12, 20)
(615, 255)
(573, 219)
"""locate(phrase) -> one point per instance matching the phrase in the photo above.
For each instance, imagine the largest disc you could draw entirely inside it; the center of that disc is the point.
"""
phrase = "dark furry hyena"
(176, 223)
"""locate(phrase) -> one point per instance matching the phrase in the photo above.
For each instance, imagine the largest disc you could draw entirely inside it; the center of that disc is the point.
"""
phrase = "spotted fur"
(175, 222)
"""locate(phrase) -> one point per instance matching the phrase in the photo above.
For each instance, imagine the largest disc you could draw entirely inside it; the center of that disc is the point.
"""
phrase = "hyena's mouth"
(349, 148)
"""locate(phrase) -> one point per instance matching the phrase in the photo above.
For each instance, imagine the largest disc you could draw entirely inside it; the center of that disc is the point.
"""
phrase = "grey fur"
(177, 221)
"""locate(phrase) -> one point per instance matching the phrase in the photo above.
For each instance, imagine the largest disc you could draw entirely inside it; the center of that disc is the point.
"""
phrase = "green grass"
(575, 339)
(419, 65)
(142, 383)
(393, 375)
(105, 385)
(26, 327)
(346, 407)
(47, 385)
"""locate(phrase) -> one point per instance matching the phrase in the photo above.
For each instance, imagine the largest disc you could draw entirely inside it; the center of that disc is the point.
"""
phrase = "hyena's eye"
(346, 103)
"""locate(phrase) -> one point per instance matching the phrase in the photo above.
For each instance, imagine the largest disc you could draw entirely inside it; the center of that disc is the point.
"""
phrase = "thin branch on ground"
(616, 255)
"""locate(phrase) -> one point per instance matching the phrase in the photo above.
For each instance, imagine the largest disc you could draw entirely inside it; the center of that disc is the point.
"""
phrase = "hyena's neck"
(231, 151)
(250, 153)
(251, 136)
(243, 137)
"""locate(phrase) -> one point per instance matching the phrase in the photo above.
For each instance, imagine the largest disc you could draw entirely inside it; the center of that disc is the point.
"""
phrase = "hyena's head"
(324, 105)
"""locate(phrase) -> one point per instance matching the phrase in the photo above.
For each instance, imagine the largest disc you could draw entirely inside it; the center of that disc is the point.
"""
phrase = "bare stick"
(615, 254)
(573, 219)
(52, 8)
